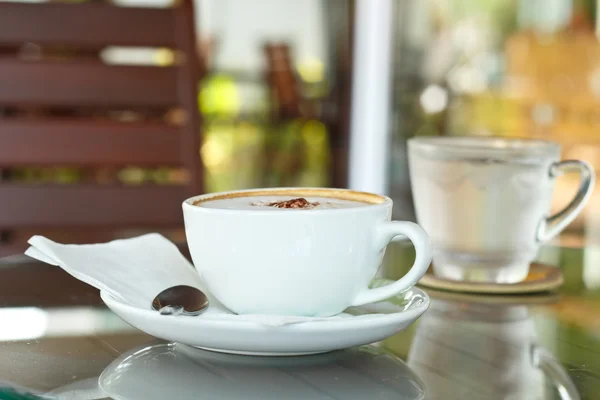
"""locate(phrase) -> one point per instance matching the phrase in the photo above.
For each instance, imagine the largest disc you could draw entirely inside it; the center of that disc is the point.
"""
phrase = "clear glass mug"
(485, 202)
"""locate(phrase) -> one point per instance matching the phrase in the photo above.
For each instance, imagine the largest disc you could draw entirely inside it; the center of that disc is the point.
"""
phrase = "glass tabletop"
(57, 340)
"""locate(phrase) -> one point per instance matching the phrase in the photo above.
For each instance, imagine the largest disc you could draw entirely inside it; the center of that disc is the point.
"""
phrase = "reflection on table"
(162, 370)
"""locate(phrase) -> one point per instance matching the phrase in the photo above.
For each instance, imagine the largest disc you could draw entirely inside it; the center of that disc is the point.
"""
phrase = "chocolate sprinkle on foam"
(299, 203)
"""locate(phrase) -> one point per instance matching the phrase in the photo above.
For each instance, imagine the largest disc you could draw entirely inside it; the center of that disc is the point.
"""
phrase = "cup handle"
(384, 234)
(554, 224)
(543, 360)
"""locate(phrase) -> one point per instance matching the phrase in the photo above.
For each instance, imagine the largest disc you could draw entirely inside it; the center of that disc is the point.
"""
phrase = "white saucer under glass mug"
(300, 262)
(485, 202)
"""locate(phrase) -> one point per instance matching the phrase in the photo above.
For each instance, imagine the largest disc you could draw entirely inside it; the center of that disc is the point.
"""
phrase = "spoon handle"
(171, 310)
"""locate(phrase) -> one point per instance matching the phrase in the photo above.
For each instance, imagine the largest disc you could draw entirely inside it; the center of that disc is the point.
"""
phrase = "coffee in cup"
(279, 202)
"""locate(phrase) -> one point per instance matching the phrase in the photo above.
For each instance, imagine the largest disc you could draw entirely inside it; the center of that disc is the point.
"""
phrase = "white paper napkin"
(136, 270)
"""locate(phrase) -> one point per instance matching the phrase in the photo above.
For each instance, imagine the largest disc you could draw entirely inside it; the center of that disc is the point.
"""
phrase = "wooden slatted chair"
(97, 142)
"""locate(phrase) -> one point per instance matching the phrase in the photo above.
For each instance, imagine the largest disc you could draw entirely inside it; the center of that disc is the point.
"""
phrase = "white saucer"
(366, 324)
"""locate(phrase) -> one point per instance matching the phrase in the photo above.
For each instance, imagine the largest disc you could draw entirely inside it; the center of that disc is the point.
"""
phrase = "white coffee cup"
(312, 262)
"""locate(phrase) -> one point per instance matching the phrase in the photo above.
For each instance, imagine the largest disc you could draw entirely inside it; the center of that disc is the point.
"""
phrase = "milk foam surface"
(262, 203)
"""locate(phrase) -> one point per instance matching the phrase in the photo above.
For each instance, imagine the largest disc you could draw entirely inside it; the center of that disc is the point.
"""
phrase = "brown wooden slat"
(88, 143)
(79, 205)
(85, 25)
(16, 242)
(85, 84)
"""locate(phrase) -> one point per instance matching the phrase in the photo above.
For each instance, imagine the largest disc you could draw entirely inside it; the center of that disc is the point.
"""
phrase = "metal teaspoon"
(180, 300)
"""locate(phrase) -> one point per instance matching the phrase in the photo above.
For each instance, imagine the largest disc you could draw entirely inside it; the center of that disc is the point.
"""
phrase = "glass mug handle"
(384, 234)
(543, 360)
(554, 224)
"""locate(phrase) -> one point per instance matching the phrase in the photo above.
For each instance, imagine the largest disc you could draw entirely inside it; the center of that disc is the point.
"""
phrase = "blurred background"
(113, 112)
(272, 84)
